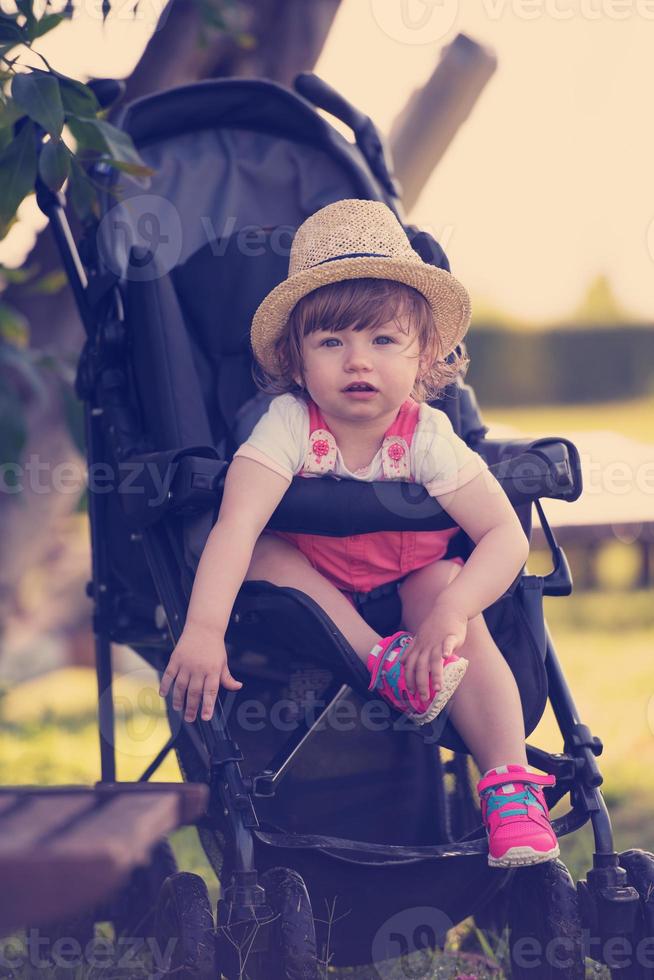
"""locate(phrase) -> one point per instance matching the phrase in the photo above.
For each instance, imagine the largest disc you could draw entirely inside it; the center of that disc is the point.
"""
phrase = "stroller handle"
(367, 136)
(323, 96)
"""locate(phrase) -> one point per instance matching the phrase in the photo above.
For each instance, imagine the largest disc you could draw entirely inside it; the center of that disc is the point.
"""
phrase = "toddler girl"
(354, 341)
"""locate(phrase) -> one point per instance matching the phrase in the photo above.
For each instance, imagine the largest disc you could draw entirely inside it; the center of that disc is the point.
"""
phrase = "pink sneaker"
(516, 817)
(387, 678)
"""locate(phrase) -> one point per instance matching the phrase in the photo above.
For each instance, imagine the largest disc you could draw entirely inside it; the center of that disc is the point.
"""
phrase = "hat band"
(353, 255)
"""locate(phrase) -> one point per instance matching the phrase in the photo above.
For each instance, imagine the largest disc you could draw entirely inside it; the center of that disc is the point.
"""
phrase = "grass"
(633, 418)
(603, 640)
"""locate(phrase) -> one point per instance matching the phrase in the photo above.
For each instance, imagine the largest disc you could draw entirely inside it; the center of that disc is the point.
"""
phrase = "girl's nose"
(356, 359)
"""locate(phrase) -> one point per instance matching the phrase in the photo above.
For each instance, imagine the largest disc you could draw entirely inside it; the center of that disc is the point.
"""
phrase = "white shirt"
(439, 459)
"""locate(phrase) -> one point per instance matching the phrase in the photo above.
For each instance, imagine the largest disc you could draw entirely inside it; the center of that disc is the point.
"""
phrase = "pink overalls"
(362, 562)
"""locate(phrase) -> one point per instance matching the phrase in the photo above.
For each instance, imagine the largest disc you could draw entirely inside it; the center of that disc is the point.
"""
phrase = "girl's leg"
(277, 561)
(485, 709)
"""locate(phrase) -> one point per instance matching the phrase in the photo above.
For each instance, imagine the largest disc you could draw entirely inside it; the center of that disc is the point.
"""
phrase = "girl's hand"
(442, 633)
(198, 666)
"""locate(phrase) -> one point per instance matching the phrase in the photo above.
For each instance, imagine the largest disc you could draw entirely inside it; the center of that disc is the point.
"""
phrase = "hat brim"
(447, 297)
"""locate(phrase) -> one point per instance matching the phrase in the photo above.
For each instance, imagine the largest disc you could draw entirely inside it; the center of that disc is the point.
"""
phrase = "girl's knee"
(433, 578)
(453, 570)
(273, 558)
(444, 572)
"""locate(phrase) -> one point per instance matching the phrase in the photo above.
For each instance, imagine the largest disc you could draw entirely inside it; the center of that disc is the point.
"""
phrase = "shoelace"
(400, 643)
(496, 800)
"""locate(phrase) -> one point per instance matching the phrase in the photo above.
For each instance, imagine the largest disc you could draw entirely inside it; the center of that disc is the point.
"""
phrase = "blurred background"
(520, 133)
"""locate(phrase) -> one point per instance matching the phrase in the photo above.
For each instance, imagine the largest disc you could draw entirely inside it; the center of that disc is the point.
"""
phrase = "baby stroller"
(335, 837)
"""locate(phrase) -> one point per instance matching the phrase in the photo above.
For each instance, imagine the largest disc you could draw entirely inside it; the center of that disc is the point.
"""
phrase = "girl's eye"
(334, 340)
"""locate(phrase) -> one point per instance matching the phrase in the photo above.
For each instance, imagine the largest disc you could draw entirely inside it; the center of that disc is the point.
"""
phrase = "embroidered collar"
(395, 457)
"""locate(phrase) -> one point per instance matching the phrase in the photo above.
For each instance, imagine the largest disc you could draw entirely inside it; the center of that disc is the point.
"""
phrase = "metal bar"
(589, 777)
(227, 787)
(106, 719)
(302, 736)
(100, 595)
(158, 759)
(52, 205)
(602, 827)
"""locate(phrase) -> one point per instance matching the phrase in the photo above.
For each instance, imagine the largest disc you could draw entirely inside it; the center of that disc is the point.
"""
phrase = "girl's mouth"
(361, 391)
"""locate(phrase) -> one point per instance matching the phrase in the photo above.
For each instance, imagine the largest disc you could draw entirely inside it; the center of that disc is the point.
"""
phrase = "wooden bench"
(64, 848)
(586, 540)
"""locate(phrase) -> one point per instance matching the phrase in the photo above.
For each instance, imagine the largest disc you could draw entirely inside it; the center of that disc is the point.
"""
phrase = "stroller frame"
(194, 476)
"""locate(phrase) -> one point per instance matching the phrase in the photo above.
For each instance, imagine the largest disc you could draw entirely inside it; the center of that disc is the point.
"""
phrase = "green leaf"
(51, 283)
(10, 30)
(25, 7)
(37, 94)
(87, 136)
(117, 142)
(54, 163)
(17, 276)
(82, 193)
(9, 113)
(17, 174)
(98, 134)
(13, 326)
(135, 169)
(77, 99)
(33, 27)
(45, 25)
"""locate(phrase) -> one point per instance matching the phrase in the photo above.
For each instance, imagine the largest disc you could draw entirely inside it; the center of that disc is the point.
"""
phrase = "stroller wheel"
(133, 915)
(639, 866)
(545, 937)
(291, 947)
(184, 928)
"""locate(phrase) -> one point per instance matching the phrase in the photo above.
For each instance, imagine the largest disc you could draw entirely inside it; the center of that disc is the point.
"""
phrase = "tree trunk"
(288, 36)
(424, 129)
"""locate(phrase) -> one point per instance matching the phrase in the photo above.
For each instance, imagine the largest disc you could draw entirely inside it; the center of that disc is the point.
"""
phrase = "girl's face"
(361, 375)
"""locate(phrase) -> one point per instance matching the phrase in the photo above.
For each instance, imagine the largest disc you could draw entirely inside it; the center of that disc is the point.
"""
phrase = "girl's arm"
(482, 509)
(485, 513)
(198, 664)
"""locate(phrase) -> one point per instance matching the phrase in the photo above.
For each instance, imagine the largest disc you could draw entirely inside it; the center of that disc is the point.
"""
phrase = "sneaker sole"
(517, 857)
(450, 683)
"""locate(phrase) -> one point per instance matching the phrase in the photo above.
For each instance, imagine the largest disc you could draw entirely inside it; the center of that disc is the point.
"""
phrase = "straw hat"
(356, 239)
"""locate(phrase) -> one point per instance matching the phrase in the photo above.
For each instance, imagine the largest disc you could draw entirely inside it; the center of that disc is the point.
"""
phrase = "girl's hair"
(367, 303)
